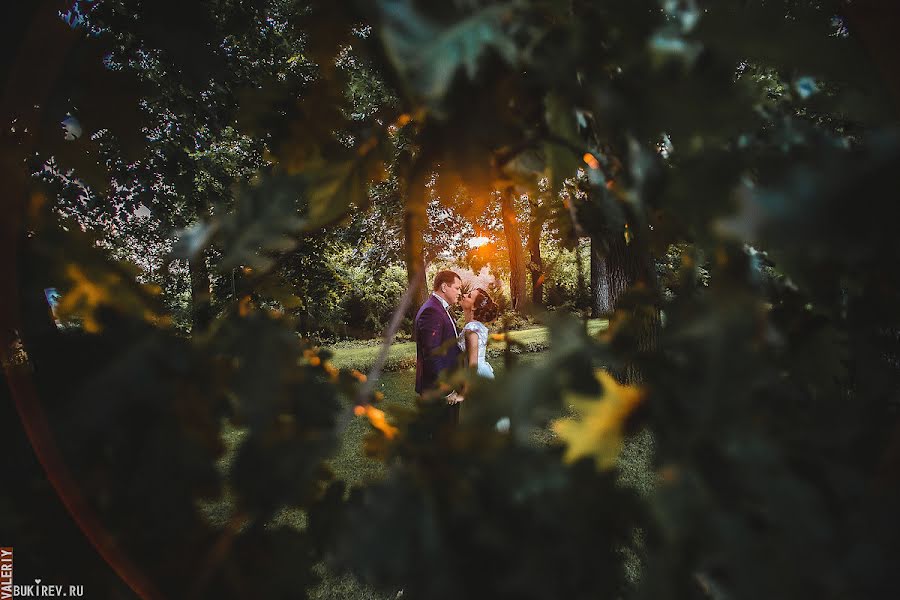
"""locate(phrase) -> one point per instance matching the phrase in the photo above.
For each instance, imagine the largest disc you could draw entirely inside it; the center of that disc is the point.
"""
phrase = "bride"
(478, 309)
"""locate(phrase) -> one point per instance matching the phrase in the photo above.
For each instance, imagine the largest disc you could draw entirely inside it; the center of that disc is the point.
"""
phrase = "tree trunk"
(627, 266)
(621, 269)
(536, 269)
(535, 262)
(517, 291)
(415, 221)
(600, 299)
(581, 298)
(201, 296)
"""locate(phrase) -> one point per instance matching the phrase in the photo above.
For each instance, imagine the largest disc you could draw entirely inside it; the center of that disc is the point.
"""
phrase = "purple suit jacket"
(436, 348)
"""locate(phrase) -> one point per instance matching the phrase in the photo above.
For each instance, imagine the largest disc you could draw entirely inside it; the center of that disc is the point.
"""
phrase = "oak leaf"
(598, 432)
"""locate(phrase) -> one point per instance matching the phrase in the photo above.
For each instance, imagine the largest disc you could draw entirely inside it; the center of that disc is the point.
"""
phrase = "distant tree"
(517, 290)
(536, 218)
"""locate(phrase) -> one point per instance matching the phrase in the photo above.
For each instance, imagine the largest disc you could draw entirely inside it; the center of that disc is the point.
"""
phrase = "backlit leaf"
(598, 432)
(429, 53)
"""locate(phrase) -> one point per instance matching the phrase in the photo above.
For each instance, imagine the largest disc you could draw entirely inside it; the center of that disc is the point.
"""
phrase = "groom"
(436, 334)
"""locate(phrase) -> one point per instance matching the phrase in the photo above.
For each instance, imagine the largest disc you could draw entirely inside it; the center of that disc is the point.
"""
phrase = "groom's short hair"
(443, 277)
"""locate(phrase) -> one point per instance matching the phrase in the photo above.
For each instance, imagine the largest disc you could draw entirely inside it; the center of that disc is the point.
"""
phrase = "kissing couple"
(441, 346)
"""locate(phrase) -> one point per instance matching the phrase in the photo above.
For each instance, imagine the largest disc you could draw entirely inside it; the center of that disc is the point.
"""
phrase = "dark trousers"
(447, 421)
(453, 414)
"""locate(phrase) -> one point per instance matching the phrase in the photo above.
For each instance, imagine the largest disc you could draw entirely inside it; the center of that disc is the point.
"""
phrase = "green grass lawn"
(352, 466)
(398, 388)
(361, 355)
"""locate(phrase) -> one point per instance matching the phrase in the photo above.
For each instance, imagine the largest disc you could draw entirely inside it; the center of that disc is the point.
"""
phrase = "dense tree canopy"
(232, 172)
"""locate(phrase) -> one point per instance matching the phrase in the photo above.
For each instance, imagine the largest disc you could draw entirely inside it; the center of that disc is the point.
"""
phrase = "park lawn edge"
(402, 355)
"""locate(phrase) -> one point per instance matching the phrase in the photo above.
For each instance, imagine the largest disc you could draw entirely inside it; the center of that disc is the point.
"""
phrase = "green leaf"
(562, 161)
(331, 190)
(526, 168)
(269, 216)
(428, 54)
(265, 220)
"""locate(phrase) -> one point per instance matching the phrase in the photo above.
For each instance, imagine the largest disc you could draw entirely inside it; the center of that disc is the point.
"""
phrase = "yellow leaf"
(332, 371)
(85, 296)
(89, 284)
(598, 433)
(377, 419)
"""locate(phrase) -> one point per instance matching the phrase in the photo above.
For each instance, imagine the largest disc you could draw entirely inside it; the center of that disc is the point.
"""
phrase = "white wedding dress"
(484, 369)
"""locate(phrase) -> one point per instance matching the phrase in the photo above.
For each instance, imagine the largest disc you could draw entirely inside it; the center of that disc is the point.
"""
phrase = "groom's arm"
(434, 349)
(429, 337)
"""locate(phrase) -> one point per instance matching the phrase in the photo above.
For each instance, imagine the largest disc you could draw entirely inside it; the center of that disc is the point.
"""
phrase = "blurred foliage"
(749, 148)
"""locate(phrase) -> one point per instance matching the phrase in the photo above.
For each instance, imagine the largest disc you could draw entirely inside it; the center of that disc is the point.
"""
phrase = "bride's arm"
(472, 348)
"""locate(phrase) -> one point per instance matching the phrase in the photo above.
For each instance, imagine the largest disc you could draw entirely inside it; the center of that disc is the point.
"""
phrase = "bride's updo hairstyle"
(485, 308)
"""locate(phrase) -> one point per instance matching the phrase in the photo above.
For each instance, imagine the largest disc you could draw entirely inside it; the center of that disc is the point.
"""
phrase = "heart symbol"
(37, 581)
